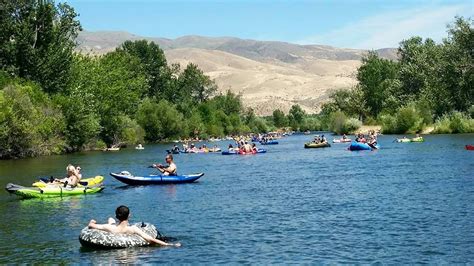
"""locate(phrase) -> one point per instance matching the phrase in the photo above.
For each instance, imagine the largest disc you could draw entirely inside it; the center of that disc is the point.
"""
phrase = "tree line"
(54, 100)
(431, 84)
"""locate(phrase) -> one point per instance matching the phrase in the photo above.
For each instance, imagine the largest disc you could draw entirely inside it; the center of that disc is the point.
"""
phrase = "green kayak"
(310, 145)
(50, 191)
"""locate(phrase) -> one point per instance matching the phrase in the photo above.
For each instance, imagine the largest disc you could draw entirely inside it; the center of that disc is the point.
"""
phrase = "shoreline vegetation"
(54, 100)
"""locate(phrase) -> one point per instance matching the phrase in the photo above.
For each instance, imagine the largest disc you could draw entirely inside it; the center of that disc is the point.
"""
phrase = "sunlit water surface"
(405, 203)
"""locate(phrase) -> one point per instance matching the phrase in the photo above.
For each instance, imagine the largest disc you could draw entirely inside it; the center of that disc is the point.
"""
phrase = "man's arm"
(105, 227)
(150, 239)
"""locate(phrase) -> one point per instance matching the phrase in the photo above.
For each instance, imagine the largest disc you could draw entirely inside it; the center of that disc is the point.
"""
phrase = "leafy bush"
(471, 111)
(159, 120)
(407, 120)
(351, 125)
(455, 122)
(312, 124)
(30, 124)
(389, 124)
(339, 123)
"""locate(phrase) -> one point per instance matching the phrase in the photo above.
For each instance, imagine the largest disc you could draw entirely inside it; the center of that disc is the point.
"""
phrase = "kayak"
(173, 151)
(215, 150)
(271, 142)
(243, 153)
(341, 140)
(470, 147)
(50, 191)
(91, 181)
(403, 140)
(130, 179)
(100, 239)
(112, 149)
(312, 145)
(358, 146)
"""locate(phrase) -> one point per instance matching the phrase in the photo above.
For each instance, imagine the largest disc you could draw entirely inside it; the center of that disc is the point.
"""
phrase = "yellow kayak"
(89, 182)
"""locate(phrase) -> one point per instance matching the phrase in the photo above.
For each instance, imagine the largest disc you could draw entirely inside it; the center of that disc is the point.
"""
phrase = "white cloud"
(388, 29)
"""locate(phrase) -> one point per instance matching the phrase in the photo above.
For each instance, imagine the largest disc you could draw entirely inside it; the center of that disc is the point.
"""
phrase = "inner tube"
(99, 239)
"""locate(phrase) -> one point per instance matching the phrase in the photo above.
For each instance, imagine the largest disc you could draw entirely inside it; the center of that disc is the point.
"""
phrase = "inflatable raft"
(359, 146)
(243, 153)
(270, 142)
(99, 239)
(130, 179)
(50, 191)
(312, 145)
(85, 182)
(341, 140)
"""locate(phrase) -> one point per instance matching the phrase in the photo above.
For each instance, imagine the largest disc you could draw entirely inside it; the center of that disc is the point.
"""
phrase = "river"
(405, 203)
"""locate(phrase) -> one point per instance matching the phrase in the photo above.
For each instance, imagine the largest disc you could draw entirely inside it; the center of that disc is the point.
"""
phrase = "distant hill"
(268, 74)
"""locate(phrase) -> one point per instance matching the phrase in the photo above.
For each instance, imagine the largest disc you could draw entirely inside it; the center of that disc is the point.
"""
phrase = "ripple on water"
(405, 203)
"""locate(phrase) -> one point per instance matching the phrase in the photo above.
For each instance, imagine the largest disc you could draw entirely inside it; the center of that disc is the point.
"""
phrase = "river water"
(405, 203)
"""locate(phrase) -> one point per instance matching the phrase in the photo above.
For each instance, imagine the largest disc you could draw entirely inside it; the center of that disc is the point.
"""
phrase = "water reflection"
(396, 205)
(118, 256)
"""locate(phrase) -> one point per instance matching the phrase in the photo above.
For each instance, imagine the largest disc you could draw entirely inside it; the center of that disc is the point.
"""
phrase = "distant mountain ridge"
(268, 74)
(105, 41)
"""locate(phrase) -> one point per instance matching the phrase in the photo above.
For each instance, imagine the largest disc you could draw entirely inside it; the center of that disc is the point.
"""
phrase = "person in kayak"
(254, 148)
(171, 169)
(72, 179)
(247, 147)
(175, 149)
(122, 213)
(323, 139)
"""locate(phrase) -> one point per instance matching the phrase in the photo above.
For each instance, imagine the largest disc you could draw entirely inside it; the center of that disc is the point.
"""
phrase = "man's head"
(169, 158)
(122, 213)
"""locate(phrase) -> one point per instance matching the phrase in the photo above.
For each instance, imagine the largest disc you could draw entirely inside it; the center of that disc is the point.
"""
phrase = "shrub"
(351, 125)
(455, 122)
(407, 120)
(30, 124)
(339, 124)
(389, 124)
(312, 124)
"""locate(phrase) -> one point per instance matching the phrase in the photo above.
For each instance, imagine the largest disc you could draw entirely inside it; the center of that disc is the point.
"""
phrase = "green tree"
(296, 117)
(159, 120)
(37, 41)
(457, 67)
(30, 124)
(194, 85)
(154, 64)
(279, 118)
(371, 76)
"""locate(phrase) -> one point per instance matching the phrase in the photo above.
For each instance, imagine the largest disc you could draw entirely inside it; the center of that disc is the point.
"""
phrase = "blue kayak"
(359, 146)
(240, 153)
(270, 142)
(130, 179)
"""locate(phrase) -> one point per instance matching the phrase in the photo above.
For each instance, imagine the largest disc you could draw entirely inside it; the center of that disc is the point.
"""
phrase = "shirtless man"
(171, 169)
(122, 213)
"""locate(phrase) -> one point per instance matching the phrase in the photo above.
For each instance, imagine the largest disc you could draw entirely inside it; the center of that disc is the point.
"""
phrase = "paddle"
(372, 146)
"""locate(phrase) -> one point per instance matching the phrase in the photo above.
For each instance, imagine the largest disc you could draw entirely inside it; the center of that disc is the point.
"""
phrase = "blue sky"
(349, 23)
